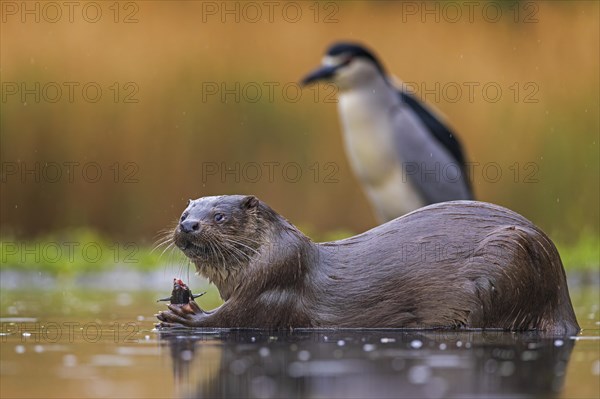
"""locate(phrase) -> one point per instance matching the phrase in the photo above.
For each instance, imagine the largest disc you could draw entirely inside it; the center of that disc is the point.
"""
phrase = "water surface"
(99, 343)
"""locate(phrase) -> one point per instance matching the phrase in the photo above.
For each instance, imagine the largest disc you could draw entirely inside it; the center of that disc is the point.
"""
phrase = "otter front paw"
(188, 315)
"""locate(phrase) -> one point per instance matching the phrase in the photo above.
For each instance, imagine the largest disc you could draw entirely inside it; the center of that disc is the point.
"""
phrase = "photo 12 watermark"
(68, 172)
(526, 12)
(68, 252)
(472, 91)
(36, 332)
(54, 12)
(488, 172)
(70, 92)
(270, 172)
(253, 12)
(270, 92)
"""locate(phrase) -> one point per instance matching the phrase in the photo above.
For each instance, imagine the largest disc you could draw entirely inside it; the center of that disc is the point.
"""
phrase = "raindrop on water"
(264, 352)
(490, 366)
(70, 360)
(596, 368)
(186, 355)
(368, 347)
(416, 344)
(507, 369)
(303, 355)
(419, 374)
(263, 387)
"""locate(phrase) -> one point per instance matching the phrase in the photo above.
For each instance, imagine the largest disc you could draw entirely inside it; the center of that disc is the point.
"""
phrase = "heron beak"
(325, 72)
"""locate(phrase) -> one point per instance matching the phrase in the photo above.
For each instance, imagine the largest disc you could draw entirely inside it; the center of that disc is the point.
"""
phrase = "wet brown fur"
(448, 265)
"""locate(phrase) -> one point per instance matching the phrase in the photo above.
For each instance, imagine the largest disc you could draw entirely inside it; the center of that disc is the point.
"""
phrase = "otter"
(451, 265)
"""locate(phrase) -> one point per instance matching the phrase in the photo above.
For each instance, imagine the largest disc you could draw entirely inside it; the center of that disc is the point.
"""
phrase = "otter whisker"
(243, 245)
(218, 252)
(230, 249)
(188, 271)
(163, 234)
(167, 241)
(161, 240)
(228, 244)
(228, 252)
(174, 260)
(182, 267)
(242, 239)
(164, 231)
(213, 252)
(170, 246)
(243, 254)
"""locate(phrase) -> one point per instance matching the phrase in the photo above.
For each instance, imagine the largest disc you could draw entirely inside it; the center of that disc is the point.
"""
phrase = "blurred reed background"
(152, 153)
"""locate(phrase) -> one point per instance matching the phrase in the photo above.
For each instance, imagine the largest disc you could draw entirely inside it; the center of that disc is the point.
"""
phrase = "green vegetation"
(76, 251)
(584, 254)
(82, 250)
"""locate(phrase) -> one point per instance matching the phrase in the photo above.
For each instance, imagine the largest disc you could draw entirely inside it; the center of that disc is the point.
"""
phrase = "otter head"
(220, 235)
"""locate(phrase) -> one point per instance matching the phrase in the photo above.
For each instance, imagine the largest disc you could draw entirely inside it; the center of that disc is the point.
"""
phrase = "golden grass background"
(171, 132)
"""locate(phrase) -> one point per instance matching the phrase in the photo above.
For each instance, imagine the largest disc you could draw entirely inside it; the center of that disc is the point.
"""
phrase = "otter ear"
(190, 201)
(249, 202)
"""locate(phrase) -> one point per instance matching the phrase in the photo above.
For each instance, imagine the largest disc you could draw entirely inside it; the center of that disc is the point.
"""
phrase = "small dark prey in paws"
(181, 293)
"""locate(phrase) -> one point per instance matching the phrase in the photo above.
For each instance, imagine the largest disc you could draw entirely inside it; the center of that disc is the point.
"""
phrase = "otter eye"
(219, 217)
(185, 215)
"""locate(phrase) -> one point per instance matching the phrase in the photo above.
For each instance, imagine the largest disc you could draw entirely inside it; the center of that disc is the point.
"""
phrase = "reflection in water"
(367, 363)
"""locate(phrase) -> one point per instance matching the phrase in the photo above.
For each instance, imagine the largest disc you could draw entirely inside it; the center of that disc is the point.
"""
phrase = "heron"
(401, 152)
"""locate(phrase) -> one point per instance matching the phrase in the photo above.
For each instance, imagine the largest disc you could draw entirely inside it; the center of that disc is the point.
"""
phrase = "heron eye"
(219, 217)
(346, 61)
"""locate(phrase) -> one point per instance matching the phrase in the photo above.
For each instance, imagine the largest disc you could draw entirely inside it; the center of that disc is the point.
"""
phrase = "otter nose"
(188, 226)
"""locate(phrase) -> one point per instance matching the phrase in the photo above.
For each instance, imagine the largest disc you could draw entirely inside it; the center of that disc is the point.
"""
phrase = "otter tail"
(528, 282)
(560, 318)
